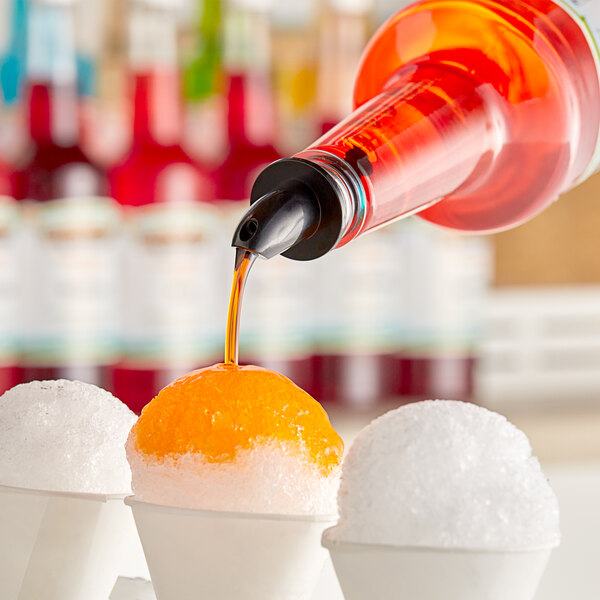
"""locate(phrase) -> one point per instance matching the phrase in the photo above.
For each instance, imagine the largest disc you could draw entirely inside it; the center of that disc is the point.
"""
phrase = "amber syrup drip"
(243, 261)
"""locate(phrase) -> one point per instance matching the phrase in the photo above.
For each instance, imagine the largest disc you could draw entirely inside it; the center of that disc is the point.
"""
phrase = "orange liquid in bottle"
(475, 114)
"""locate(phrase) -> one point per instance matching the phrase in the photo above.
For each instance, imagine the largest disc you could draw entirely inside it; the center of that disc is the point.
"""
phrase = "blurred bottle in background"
(13, 55)
(274, 331)
(357, 284)
(71, 302)
(54, 165)
(344, 29)
(13, 28)
(71, 315)
(278, 323)
(359, 290)
(205, 134)
(10, 292)
(93, 47)
(441, 299)
(108, 113)
(171, 264)
(157, 127)
(294, 38)
(251, 118)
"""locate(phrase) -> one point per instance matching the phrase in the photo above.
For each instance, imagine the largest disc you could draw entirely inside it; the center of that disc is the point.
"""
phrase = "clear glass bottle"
(475, 114)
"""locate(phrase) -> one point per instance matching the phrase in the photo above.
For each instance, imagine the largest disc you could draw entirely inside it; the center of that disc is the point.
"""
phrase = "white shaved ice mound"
(445, 474)
(270, 478)
(64, 436)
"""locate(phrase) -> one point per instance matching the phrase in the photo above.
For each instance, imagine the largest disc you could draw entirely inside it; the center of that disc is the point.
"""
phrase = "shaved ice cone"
(61, 545)
(379, 572)
(442, 500)
(235, 471)
(211, 554)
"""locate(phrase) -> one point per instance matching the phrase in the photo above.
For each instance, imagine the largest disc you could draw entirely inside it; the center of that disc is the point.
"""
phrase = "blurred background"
(130, 135)
(131, 132)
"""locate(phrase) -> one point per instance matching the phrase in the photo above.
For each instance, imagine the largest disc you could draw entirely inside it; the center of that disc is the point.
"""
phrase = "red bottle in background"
(70, 308)
(441, 298)
(251, 121)
(170, 269)
(6, 178)
(54, 165)
(156, 158)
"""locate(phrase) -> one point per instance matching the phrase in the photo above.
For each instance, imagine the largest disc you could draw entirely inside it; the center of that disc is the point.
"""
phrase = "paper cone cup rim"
(216, 514)
(334, 545)
(10, 489)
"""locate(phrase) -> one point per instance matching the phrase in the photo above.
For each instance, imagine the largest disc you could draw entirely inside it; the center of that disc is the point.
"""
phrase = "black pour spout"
(277, 222)
(296, 211)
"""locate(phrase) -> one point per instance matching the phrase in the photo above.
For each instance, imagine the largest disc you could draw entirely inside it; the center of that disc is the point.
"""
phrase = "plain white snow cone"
(445, 474)
(64, 436)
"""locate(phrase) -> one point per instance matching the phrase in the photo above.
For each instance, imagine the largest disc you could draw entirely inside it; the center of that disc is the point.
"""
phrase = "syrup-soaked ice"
(64, 436)
(236, 439)
(445, 474)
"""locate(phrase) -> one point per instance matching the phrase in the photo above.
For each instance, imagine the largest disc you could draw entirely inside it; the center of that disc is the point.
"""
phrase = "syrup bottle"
(156, 154)
(344, 27)
(202, 82)
(440, 295)
(70, 303)
(169, 236)
(250, 103)
(13, 40)
(476, 115)
(55, 165)
(295, 44)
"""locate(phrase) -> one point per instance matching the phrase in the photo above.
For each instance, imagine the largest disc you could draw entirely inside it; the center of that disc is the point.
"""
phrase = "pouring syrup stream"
(243, 261)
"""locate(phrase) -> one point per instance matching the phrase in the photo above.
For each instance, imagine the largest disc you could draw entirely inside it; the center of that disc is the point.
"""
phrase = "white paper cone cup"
(196, 554)
(379, 572)
(59, 545)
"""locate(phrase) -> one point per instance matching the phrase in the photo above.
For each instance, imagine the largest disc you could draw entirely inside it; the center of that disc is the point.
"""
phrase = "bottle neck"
(202, 72)
(157, 114)
(251, 107)
(53, 114)
(14, 59)
(342, 38)
(157, 106)
(433, 132)
(428, 135)
(53, 101)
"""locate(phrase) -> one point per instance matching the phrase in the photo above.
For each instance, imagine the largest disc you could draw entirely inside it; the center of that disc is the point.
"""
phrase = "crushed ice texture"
(64, 436)
(445, 474)
(269, 478)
